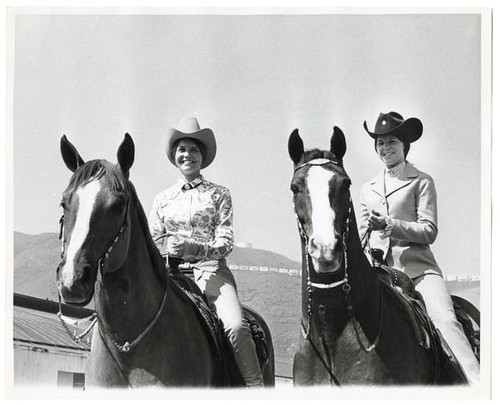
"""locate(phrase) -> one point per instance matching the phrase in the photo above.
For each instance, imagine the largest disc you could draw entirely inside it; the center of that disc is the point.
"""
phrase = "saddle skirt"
(222, 349)
(401, 287)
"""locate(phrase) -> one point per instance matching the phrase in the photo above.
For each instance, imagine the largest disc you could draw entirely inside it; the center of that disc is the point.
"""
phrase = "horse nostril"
(313, 244)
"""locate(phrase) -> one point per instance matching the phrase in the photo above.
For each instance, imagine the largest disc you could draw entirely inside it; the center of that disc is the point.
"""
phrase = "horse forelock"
(98, 169)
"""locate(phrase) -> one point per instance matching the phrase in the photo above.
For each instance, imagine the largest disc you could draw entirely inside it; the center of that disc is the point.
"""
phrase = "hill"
(36, 258)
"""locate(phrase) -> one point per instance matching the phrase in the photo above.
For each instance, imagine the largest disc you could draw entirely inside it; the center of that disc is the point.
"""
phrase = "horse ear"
(70, 155)
(295, 146)
(126, 153)
(337, 143)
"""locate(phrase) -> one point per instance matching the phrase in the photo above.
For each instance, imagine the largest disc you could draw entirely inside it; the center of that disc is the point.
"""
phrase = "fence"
(298, 272)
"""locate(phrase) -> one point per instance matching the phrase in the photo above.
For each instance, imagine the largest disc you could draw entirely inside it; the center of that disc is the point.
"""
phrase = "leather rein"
(127, 346)
(344, 284)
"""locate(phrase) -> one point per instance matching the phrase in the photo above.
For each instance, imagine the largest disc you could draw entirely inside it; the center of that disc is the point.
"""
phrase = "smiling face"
(188, 158)
(390, 149)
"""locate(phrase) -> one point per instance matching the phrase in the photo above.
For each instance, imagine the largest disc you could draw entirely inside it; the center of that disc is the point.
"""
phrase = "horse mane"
(116, 180)
(154, 253)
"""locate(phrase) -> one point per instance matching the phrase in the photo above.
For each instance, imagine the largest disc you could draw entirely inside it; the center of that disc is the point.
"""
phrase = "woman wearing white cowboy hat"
(197, 216)
(399, 207)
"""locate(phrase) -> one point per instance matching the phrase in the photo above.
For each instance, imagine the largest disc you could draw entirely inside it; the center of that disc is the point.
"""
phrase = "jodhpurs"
(440, 309)
(220, 289)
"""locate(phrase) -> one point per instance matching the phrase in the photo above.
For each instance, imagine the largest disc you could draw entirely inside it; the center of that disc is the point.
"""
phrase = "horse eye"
(117, 205)
(294, 189)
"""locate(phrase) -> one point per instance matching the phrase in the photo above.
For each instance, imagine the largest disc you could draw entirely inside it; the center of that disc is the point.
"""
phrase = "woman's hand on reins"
(376, 221)
(175, 246)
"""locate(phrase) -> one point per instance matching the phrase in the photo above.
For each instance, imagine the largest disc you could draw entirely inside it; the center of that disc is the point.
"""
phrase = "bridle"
(343, 283)
(127, 346)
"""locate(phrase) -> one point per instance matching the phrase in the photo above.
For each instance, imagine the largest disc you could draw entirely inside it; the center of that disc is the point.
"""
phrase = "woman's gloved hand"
(376, 221)
(175, 246)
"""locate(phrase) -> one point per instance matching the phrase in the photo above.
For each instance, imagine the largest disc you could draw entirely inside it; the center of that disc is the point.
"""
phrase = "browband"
(318, 162)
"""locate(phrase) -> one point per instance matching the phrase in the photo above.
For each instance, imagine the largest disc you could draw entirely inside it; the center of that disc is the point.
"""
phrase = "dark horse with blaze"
(356, 327)
(149, 332)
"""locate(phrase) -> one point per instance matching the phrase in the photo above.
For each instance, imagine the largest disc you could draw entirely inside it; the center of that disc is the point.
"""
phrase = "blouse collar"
(396, 170)
(188, 185)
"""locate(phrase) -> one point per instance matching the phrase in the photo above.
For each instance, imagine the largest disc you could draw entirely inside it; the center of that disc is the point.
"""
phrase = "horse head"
(321, 197)
(95, 216)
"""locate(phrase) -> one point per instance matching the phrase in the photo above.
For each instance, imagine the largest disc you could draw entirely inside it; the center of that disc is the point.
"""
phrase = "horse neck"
(361, 274)
(134, 291)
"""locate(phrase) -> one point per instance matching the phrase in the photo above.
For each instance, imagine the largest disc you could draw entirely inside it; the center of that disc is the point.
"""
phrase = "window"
(69, 379)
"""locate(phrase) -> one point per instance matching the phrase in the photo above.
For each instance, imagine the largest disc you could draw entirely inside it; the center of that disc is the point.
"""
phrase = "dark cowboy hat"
(189, 128)
(393, 123)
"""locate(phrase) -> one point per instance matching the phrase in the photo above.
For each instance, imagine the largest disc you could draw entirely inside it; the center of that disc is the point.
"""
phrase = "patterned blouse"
(201, 213)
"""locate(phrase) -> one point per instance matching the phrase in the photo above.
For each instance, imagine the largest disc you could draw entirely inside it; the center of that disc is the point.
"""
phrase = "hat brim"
(205, 136)
(411, 129)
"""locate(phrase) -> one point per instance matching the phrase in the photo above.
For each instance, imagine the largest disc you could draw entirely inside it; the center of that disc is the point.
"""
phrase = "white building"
(44, 355)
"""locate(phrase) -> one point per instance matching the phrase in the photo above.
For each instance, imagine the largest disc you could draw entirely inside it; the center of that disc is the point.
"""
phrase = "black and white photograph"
(256, 202)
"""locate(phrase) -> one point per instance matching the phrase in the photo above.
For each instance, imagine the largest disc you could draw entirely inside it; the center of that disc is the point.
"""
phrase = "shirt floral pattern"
(200, 212)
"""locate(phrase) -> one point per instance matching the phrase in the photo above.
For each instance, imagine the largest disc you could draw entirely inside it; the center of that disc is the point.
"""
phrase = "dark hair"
(406, 145)
(200, 146)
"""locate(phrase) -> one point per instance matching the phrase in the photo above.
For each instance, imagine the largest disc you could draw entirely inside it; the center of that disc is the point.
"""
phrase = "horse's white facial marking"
(322, 239)
(87, 197)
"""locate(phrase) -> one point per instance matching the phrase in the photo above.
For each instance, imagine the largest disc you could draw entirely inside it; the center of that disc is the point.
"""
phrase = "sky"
(252, 79)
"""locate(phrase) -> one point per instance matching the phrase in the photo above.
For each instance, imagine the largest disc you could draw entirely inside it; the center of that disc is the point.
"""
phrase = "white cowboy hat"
(189, 128)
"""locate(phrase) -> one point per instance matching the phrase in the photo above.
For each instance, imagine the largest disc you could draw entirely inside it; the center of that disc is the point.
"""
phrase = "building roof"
(37, 327)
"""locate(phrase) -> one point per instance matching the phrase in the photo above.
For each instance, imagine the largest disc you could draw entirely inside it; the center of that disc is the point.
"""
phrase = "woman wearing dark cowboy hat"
(197, 217)
(399, 206)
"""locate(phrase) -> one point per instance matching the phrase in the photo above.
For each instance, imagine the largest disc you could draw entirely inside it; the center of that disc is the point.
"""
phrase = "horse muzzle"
(326, 257)
(76, 284)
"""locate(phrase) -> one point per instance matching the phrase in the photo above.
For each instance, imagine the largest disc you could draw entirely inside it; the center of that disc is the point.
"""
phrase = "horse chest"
(352, 364)
(329, 356)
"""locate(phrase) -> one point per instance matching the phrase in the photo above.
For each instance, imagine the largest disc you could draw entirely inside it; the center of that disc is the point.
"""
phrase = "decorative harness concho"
(127, 346)
(344, 283)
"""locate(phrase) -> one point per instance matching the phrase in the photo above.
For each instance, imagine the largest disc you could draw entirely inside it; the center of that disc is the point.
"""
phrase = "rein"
(127, 346)
(344, 283)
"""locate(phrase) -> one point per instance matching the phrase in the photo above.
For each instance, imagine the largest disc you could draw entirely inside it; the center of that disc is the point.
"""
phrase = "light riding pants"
(440, 309)
(220, 289)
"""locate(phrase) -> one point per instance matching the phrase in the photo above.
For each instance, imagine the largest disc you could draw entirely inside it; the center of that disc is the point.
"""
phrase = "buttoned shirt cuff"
(386, 232)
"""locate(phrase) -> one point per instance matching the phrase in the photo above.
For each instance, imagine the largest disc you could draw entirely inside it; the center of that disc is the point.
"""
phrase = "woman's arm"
(424, 230)
(156, 225)
(364, 214)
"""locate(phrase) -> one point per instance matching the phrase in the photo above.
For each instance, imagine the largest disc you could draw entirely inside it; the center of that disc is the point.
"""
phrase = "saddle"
(447, 369)
(230, 375)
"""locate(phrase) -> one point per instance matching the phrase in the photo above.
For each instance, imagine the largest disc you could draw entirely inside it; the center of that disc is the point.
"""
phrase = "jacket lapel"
(408, 174)
(378, 184)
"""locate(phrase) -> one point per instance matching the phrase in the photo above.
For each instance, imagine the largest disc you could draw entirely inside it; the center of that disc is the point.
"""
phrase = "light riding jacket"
(408, 198)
